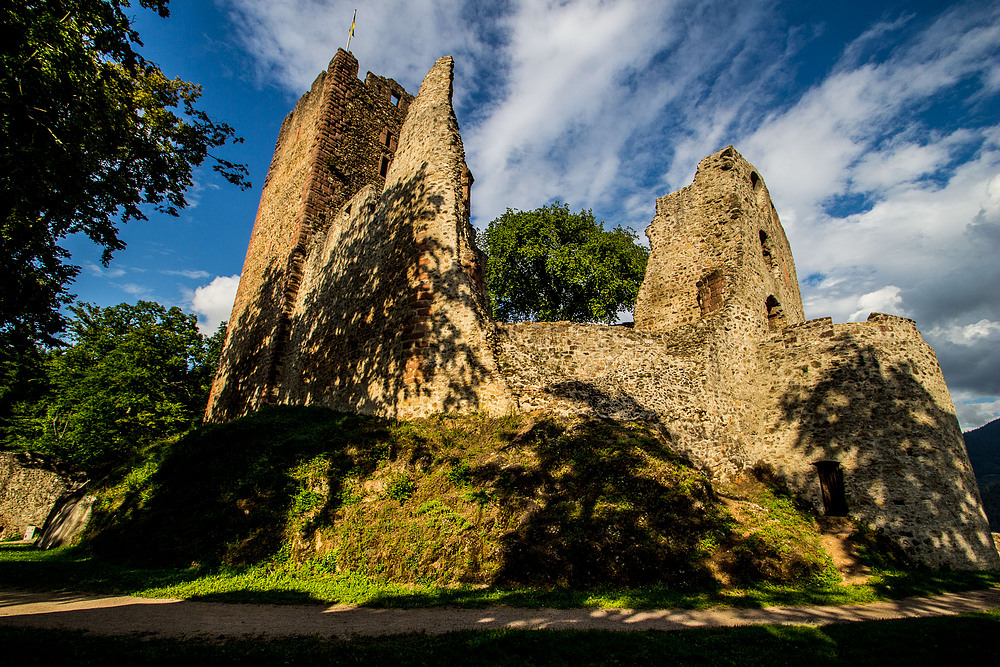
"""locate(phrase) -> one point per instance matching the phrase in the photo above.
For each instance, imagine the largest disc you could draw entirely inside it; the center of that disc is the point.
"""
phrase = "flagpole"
(353, 20)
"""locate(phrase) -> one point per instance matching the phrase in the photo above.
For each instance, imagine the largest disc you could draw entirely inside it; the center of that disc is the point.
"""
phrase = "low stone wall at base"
(33, 488)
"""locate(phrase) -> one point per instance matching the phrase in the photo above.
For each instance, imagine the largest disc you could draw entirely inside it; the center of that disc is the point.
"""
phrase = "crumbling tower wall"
(717, 251)
(861, 423)
(341, 136)
(393, 317)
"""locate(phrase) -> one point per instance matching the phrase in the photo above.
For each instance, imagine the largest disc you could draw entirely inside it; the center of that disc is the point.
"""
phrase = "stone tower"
(341, 136)
(717, 250)
(362, 289)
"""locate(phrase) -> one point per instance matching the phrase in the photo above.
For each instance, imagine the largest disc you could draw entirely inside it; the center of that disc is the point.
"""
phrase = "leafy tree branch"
(91, 135)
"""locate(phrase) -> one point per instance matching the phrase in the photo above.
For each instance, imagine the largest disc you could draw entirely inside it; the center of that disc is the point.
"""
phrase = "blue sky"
(876, 126)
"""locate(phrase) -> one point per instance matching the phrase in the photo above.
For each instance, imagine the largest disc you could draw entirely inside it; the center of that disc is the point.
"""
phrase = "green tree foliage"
(550, 264)
(90, 134)
(130, 375)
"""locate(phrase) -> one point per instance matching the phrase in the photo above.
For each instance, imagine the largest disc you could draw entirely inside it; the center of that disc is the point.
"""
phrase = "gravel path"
(180, 618)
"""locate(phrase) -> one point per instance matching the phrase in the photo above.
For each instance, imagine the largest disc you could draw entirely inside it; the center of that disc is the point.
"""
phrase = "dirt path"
(179, 618)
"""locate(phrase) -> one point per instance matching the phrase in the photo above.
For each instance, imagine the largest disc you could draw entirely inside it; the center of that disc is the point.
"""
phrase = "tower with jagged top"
(362, 232)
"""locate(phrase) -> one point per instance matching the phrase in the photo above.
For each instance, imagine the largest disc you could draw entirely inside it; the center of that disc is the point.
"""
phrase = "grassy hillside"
(531, 501)
(983, 444)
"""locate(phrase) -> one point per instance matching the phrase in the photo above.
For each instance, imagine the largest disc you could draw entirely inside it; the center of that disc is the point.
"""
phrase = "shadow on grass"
(224, 493)
(970, 638)
(602, 503)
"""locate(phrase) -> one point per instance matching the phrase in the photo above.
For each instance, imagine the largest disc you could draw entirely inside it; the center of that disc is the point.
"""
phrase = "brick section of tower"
(393, 317)
(340, 137)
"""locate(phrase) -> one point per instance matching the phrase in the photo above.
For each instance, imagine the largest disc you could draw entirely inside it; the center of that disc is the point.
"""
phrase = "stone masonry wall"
(392, 318)
(620, 373)
(871, 397)
(341, 136)
(30, 488)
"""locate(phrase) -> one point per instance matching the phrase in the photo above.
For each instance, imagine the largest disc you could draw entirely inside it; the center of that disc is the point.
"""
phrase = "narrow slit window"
(394, 98)
(383, 167)
(764, 249)
(387, 140)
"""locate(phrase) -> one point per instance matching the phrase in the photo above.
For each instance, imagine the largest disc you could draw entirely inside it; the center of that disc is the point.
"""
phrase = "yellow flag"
(353, 21)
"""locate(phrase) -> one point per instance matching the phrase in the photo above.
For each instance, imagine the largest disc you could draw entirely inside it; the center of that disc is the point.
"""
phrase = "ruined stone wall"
(30, 488)
(871, 397)
(341, 136)
(392, 316)
(720, 264)
(620, 373)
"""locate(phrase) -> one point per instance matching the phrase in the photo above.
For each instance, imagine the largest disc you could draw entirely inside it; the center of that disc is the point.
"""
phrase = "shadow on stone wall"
(246, 359)
(905, 467)
(610, 402)
(366, 336)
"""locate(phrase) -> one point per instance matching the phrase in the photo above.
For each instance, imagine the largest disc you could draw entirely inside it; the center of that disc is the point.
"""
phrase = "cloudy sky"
(876, 126)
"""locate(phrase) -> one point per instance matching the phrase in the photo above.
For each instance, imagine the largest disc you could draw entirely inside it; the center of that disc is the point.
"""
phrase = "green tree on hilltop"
(90, 133)
(550, 264)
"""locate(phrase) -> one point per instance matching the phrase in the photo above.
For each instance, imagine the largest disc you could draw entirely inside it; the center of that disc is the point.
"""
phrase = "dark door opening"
(831, 482)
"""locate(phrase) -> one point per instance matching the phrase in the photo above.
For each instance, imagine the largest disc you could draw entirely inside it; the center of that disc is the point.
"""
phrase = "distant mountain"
(983, 444)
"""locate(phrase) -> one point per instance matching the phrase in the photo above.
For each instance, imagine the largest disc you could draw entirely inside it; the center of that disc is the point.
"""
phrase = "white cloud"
(885, 300)
(192, 274)
(989, 207)
(214, 302)
(102, 272)
(564, 97)
(975, 411)
(968, 334)
(900, 165)
(293, 40)
(136, 290)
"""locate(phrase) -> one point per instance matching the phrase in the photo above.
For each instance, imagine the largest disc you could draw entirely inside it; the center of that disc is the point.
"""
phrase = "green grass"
(72, 569)
(971, 638)
(519, 501)
(306, 505)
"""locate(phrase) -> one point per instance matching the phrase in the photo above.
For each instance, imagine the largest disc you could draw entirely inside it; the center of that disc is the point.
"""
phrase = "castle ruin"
(363, 291)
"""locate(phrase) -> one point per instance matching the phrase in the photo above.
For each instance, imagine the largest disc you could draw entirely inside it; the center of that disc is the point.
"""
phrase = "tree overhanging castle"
(363, 291)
